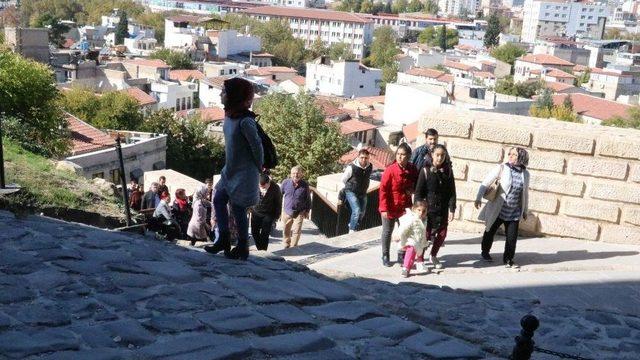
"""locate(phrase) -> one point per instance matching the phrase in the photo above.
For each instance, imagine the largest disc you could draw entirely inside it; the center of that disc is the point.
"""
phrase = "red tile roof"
(85, 138)
(326, 15)
(185, 75)
(380, 158)
(329, 108)
(188, 18)
(216, 81)
(559, 74)
(370, 100)
(544, 59)
(270, 70)
(424, 72)
(207, 115)
(580, 68)
(595, 107)
(141, 97)
(147, 62)
(557, 86)
(608, 73)
(354, 126)
(484, 74)
(299, 80)
(458, 65)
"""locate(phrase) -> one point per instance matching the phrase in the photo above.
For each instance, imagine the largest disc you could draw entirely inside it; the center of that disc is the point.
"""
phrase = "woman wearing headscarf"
(197, 229)
(508, 207)
(238, 184)
(181, 211)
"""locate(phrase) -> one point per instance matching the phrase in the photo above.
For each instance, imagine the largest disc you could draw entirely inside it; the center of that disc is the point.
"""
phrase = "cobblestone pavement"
(74, 292)
(586, 294)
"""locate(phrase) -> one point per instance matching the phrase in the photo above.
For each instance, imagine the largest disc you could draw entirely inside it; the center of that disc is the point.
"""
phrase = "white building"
(142, 44)
(344, 78)
(563, 18)
(210, 90)
(221, 68)
(454, 7)
(330, 26)
(230, 42)
(535, 66)
(289, 3)
(182, 31)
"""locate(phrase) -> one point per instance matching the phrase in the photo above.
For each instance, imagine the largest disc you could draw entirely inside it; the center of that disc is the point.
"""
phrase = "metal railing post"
(2, 182)
(524, 342)
(123, 181)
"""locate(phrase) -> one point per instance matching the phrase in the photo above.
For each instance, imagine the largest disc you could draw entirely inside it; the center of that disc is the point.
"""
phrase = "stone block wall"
(585, 179)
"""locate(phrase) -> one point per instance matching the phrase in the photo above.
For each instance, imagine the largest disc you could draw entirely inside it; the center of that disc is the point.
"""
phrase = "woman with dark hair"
(437, 187)
(238, 184)
(396, 187)
(181, 211)
(510, 204)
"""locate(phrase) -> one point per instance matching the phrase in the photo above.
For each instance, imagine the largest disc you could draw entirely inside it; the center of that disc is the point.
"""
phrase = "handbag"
(492, 191)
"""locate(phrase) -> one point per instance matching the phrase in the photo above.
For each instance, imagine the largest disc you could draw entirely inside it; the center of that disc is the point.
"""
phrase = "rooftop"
(207, 115)
(270, 70)
(141, 97)
(317, 14)
(147, 62)
(544, 59)
(458, 65)
(353, 126)
(380, 158)
(186, 75)
(594, 107)
(559, 74)
(557, 86)
(86, 138)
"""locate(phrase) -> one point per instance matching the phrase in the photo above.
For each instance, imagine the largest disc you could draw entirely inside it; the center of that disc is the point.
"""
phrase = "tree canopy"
(383, 52)
(56, 28)
(432, 36)
(122, 30)
(113, 110)
(175, 59)
(507, 86)
(508, 53)
(84, 12)
(491, 35)
(632, 120)
(301, 135)
(189, 149)
(29, 105)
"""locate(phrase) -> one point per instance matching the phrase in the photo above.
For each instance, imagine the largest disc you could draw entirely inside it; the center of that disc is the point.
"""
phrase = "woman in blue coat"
(238, 185)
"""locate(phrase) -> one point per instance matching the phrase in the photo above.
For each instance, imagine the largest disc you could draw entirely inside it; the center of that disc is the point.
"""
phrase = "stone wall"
(585, 179)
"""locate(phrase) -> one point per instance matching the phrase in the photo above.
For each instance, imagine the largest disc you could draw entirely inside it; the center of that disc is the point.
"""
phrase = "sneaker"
(436, 263)
(487, 257)
(405, 273)
(422, 267)
(507, 265)
(385, 261)
(513, 265)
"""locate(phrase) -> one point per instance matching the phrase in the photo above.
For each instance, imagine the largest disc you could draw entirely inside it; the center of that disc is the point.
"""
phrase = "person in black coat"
(437, 186)
(181, 211)
(266, 212)
(151, 198)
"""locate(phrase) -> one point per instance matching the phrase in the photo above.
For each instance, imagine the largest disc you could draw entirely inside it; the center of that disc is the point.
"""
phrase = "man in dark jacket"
(151, 198)
(356, 182)
(297, 204)
(266, 212)
(422, 154)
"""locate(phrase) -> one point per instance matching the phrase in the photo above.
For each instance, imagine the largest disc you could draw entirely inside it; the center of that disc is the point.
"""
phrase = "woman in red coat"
(396, 187)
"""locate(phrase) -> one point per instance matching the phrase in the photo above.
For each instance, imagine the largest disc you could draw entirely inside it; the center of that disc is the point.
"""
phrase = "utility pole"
(2, 183)
(123, 181)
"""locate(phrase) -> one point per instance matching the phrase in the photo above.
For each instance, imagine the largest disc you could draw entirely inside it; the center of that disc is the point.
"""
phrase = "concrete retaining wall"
(585, 179)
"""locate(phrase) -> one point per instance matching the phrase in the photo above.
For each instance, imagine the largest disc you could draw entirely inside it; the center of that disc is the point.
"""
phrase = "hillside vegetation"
(43, 186)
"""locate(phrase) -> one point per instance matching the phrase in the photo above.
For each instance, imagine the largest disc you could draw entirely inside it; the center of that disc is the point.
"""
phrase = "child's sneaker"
(436, 263)
(422, 267)
(405, 272)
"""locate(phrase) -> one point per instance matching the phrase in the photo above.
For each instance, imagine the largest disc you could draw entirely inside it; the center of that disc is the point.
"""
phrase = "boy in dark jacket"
(266, 212)
(436, 185)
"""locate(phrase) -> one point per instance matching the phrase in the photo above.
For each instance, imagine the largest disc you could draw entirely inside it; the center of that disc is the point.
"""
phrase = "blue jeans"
(358, 204)
(220, 201)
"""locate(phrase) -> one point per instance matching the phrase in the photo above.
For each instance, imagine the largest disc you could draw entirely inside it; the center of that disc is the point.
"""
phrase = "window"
(177, 104)
(188, 103)
(361, 86)
(98, 175)
(184, 103)
(115, 176)
(590, 17)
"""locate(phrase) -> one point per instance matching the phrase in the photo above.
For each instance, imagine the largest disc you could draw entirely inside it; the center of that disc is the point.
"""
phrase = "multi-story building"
(330, 26)
(457, 7)
(535, 66)
(288, 3)
(344, 78)
(31, 43)
(563, 18)
(611, 83)
(203, 7)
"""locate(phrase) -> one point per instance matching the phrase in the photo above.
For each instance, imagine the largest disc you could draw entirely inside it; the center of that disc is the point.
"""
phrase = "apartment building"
(330, 26)
(536, 66)
(343, 78)
(563, 18)
(455, 7)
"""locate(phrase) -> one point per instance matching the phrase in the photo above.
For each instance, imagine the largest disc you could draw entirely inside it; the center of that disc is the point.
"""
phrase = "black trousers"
(511, 232)
(387, 229)
(260, 230)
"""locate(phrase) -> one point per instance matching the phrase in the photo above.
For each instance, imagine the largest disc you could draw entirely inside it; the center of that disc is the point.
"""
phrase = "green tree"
(113, 110)
(431, 7)
(387, 8)
(56, 28)
(175, 59)
(507, 86)
(464, 13)
(399, 6)
(442, 38)
(508, 53)
(189, 149)
(82, 103)
(389, 75)
(568, 103)
(301, 135)
(342, 51)
(122, 29)
(415, 6)
(383, 47)
(29, 101)
(491, 35)
(154, 21)
(632, 120)
(432, 37)
(583, 79)
(367, 7)
(317, 49)
(545, 100)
